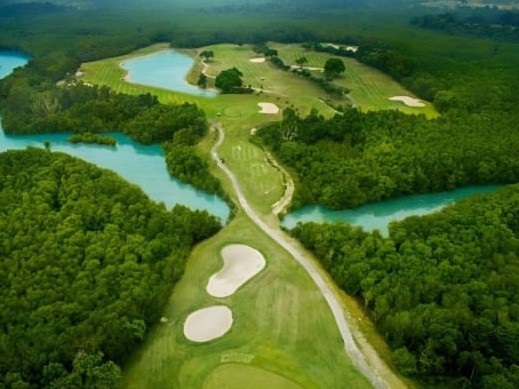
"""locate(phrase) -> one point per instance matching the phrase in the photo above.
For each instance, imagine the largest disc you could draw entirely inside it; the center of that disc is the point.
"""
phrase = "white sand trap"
(257, 60)
(208, 324)
(240, 264)
(268, 108)
(409, 101)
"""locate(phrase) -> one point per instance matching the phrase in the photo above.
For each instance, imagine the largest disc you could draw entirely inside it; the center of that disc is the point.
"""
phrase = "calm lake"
(141, 165)
(378, 215)
(165, 69)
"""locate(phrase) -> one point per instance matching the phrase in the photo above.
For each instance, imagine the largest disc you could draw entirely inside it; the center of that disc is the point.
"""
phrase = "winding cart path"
(307, 263)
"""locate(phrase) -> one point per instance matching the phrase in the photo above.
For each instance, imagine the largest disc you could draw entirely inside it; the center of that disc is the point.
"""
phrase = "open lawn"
(283, 331)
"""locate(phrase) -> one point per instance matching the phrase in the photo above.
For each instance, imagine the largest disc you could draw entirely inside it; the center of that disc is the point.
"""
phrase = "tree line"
(87, 263)
(443, 289)
(491, 23)
(355, 157)
(89, 110)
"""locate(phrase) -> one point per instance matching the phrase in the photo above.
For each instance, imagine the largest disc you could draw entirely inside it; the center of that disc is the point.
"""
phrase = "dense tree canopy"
(86, 263)
(443, 289)
(357, 157)
(333, 67)
(84, 108)
(229, 80)
(207, 55)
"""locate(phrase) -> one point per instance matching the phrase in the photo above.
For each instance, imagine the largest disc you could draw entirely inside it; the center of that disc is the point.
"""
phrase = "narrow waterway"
(377, 216)
(142, 165)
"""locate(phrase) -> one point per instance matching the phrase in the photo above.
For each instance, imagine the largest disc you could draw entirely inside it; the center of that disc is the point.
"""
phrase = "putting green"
(236, 376)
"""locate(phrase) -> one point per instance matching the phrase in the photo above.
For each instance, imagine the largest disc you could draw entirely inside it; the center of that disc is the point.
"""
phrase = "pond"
(166, 69)
(141, 165)
(378, 215)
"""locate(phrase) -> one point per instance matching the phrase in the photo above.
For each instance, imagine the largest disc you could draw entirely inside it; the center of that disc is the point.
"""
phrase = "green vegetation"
(87, 263)
(442, 288)
(84, 108)
(278, 317)
(185, 163)
(333, 67)
(207, 55)
(357, 157)
(472, 82)
(369, 88)
(483, 22)
(88, 137)
(202, 81)
(229, 80)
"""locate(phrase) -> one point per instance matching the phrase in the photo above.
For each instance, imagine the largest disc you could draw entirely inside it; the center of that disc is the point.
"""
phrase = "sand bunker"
(208, 324)
(351, 48)
(409, 101)
(240, 264)
(268, 108)
(257, 60)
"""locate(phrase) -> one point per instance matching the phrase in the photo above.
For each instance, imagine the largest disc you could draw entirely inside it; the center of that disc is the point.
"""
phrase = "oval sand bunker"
(268, 108)
(208, 324)
(257, 60)
(240, 264)
(409, 101)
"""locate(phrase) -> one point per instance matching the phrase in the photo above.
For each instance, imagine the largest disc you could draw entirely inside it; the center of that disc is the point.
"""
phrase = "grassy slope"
(369, 88)
(281, 325)
(295, 335)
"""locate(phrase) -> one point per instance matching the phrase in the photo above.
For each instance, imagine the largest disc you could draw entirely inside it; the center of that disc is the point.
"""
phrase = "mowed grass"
(283, 332)
(369, 88)
(280, 88)
(230, 376)
(262, 184)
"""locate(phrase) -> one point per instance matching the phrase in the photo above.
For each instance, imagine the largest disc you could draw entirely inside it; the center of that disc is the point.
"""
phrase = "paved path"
(277, 235)
(284, 201)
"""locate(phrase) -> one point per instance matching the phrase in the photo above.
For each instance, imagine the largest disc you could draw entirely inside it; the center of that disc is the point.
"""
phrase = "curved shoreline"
(128, 74)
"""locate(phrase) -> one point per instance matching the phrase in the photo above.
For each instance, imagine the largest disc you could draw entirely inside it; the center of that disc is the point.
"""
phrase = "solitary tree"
(301, 61)
(207, 54)
(333, 67)
(228, 80)
(271, 53)
(202, 81)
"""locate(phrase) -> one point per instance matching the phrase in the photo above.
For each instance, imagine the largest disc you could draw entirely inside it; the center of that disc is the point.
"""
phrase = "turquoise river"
(377, 216)
(138, 164)
(145, 165)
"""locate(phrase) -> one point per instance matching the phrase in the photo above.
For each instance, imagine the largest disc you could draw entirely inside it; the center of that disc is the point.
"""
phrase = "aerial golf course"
(217, 194)
(283, 332)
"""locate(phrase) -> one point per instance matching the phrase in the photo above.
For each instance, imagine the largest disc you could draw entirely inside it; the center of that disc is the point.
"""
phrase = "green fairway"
(284, 334)
(281, 324)
(369, 88)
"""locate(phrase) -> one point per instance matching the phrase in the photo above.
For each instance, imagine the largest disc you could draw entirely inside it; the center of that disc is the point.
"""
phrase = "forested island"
(87, 263)
(89, 138)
